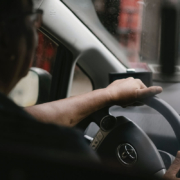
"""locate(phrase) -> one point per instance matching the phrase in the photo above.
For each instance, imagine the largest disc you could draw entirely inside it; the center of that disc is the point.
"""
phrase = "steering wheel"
(124, 146)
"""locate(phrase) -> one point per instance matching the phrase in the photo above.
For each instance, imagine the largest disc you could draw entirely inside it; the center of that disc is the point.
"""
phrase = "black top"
(33, 150)
(18, 127)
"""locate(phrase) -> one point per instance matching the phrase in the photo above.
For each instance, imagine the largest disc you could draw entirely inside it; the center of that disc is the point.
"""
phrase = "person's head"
(18, 41)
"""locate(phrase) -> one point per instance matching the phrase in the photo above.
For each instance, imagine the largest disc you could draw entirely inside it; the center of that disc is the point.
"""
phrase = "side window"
(46, 53)
(26, 91)
(136, 25)
(122, 18)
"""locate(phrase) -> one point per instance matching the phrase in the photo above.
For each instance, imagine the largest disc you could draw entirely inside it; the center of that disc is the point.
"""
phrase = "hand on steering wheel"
(125, 133)
(174, 169)
(127, 92)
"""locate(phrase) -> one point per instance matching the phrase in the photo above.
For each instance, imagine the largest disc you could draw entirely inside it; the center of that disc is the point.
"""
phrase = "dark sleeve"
(25, 130)
(78, 144)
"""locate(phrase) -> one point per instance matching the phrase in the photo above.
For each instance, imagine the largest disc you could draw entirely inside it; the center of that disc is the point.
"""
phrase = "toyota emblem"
(126, 154)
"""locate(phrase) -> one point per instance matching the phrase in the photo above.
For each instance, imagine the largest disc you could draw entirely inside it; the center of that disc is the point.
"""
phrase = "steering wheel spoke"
(124, 146)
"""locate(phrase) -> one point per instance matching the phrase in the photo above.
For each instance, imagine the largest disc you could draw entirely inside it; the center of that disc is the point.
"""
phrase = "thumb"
(147, 92)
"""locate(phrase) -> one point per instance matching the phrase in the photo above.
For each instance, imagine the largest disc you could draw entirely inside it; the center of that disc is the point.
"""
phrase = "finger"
(174, 168)
(142, 85)
(129, 78)
(148, 92)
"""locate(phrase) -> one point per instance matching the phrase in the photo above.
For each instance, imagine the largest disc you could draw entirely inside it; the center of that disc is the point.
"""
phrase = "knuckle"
(177, 161)
(139, 81)
(115, 82)
(130, 78)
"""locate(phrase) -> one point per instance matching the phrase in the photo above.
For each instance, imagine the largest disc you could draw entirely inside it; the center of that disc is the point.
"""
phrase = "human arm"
(71, 111)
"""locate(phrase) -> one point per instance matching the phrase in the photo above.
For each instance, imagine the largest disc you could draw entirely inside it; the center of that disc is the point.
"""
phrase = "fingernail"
(159, 89)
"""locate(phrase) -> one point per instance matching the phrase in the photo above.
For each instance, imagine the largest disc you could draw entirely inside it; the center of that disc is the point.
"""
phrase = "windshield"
(123, 20)
(139, 26)
(135, 24)
(145, 31)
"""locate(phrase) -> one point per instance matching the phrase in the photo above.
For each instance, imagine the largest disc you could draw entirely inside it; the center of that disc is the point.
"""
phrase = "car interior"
(85, 45)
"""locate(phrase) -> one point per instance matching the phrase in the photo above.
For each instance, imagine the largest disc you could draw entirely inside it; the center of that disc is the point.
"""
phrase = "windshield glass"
(138, 26)
(142, 34)
(135, 24)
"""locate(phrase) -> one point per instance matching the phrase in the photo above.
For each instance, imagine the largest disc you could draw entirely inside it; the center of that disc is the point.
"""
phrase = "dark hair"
(12, 30)
(9, 8)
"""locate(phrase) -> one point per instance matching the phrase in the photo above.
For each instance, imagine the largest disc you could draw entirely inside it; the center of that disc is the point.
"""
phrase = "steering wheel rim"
(163, 108)
(166, 110)
(156, 103)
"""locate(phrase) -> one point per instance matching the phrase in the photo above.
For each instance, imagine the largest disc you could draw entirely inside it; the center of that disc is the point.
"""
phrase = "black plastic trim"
(61, 73)
(61, 70)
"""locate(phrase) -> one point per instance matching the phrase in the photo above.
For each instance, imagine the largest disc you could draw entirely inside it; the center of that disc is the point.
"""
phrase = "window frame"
(61, 71)
(63, 66)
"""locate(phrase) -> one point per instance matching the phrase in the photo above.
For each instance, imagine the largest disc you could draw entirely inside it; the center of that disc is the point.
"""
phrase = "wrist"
(108, 96)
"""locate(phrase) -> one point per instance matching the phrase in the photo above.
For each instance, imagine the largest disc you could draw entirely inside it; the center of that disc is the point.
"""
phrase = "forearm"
(71, 110)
